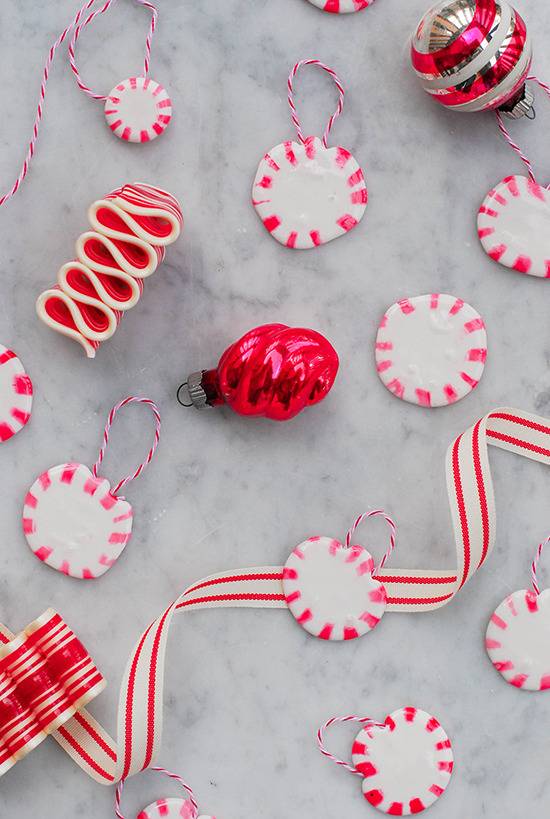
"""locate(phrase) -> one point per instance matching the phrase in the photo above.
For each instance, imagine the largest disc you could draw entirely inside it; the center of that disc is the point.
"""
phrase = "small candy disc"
(171, 809)
(514, 225)
(15, 395)
(431, 350)
(138, 109)
(330, 589)
(307, 195)
(73, 523)
(341, 6)
(518, 640)
(407, 764)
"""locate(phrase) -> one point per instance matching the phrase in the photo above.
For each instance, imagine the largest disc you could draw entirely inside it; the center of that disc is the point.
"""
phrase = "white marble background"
(245, 690)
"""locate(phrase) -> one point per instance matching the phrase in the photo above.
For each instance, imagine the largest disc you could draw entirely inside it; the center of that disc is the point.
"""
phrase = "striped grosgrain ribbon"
(473, 515)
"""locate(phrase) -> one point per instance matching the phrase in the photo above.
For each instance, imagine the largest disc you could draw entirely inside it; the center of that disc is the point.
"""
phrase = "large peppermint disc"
(15, 395)
(73, 523)
(138, 109)
(518, 640)
(514, 225)
(341, 6)
(330, 589)
(307, 194)
(171, 809)
(407, 764)
(431, 350)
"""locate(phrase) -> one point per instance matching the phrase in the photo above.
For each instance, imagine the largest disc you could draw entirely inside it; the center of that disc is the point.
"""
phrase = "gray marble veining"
(245, 691)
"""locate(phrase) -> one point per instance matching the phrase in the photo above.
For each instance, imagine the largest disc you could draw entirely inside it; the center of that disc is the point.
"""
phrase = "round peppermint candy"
(330, 590)
(341, 6)
(514, 225)
(15, 395)
(307, 195)
(431, 350)
(406, 765)
(73, 523)
(171, 809)
(138, 109)
(518, 640)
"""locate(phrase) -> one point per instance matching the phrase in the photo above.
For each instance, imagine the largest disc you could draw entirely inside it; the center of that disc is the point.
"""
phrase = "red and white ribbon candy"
(341, 6)
(304, 192)
(132, 226)
(518, 635)
(15, 395)
(408, 590)
(79, 22)
(73, 521)
(431, 350)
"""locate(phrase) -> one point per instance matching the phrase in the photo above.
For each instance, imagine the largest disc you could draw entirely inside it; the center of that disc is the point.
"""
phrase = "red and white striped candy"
(73, 523)
(307, 195)
(138, 109)
(330, 590)
(518, 640)
(431, 350)
(513, 225)
(341, 6)
(171, 809)
(407, 764)
(15, 395)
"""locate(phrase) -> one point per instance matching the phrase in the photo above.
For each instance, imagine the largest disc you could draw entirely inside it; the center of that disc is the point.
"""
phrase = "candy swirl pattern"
(131, 227)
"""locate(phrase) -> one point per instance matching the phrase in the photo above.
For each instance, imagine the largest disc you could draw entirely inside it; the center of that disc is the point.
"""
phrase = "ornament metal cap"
(196, 392)
(520, 106)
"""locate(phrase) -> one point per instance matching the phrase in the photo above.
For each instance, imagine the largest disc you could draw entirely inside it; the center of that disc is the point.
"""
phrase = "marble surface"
(245, 691)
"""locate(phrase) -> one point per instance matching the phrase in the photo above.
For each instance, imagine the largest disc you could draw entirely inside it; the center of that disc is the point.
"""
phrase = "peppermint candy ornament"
(331, 589)
(518, 636)
(305, 193)
(73, 521)
(341, 6)
(15, 395)
(405, 763)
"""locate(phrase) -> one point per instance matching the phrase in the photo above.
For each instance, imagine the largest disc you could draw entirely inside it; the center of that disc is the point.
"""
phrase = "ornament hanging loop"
(194, 810)
(366, 722)
(393, 532)
(293, 112)
(535, 562)
(530, 115)
(131, 399)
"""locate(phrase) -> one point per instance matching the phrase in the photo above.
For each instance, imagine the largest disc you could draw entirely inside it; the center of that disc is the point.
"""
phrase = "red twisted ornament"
(273, 370)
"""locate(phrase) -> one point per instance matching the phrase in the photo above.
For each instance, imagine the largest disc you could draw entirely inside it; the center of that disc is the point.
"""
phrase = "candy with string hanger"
(170, 808)
(341, 6)
(518, 635)
(332, 589)
(137, 109)
(305, 193)
(73, 520)
(405, 762)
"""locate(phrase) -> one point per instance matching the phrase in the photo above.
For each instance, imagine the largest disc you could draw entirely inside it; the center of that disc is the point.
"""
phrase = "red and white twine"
(393, 532)
(507, 136)
(158, 769)
(535, 562)
(366, 722)
(78, 23)
(294, 114)
(131, 399)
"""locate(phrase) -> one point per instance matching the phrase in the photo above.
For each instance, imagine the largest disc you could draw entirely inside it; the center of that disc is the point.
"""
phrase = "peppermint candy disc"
(171, 809)
(15, 395)
(341, 6)
(330, 589)
(518, 640)
(514, 225)
(407, 764)
(307, 195)
(138, 109)
(73, 523)
(431, 350)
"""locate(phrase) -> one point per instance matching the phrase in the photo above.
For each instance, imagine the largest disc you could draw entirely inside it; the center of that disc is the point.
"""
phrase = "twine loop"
(535, 562)
(131, 399)
(293, 112)
(393, 533)
(194, 809)
(366, 722)
(507, 136)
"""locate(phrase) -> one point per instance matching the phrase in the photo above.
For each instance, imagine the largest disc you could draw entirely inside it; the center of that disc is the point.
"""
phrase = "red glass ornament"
(273, 370)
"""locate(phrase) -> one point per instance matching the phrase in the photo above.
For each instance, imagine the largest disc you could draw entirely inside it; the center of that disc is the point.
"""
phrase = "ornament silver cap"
(520, 106)
(195, 392)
